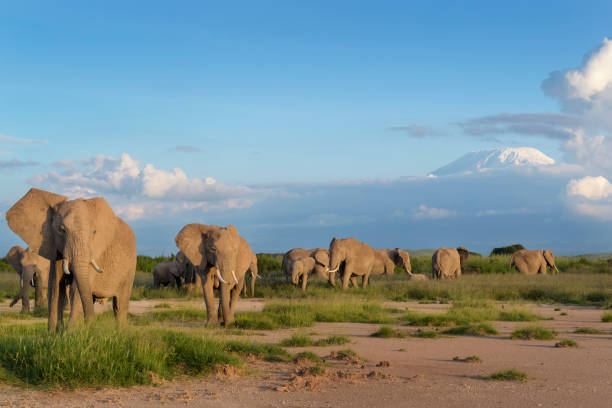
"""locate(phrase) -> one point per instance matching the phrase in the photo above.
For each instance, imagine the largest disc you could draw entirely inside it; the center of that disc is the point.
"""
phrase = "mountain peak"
(500, 158)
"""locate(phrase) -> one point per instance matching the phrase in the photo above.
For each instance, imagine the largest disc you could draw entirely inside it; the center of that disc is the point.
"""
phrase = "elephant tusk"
(65, 264)
(333, 270)
(96, 267)
(32, 283)
(234, 275)
(219, 276)
(21, 282)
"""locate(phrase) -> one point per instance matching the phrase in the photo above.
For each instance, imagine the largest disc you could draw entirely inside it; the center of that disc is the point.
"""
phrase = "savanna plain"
(492, 337)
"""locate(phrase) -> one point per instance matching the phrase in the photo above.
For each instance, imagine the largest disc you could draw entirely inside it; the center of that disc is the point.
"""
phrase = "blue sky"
(278, 101)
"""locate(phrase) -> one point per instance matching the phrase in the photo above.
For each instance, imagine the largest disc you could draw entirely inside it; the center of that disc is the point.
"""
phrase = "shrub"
(566, 343)
(533, 332)
(387, 332)
(471, 330)
(508, 375)
(507, 250)
(606, 317)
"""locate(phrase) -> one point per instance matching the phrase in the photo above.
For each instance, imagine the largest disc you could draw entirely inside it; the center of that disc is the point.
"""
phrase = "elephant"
(167, 273)
(98, 250)
(218, 252)
(533, 262)
(188, 272)
(353, 257)
(298, 264)
(33, 271)
(446, 262)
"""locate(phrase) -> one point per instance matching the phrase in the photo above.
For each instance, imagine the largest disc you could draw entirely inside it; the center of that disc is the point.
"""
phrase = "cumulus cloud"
(592, 188)
(143, 191)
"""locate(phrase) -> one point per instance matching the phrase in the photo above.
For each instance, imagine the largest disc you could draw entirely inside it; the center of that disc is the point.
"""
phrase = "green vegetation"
(267, 263)
(507, 250)
(533, 332)
(346, 354)
(388, 332)
(481, 329)
(606, 317)
(162, 306)
(566, 343)
(102, 355)
(147, 263)
(307, 355)
(508, 375)
(172, 315)
(302, 340)
(316, 370)
(588, 330)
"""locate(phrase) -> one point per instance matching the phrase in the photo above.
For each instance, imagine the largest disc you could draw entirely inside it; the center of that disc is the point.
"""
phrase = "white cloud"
(595, 76)
(602, 212)
(432, 213)
(592, 188)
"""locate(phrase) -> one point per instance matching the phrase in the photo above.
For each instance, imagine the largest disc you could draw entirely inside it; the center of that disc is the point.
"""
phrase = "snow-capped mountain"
(501, 158)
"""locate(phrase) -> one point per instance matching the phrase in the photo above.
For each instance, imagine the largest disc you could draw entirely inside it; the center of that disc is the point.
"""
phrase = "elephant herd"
(79, 252)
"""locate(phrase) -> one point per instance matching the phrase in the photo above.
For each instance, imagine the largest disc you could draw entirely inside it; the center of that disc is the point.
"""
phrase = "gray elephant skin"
(97, 247)
(533, 262)
(218, 252)
(167, 273)
(33, 270)
(446, 262)
(299, 264)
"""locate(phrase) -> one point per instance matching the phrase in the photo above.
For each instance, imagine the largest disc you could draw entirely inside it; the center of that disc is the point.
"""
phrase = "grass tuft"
(588, 330)
(388, 332)
(533, 332)
(332, 340)
(606, 317)
(481, 329)
(508, 375)
(426, 334)
(307, 355)
(468, 359)
(566, 343)
(296, 340)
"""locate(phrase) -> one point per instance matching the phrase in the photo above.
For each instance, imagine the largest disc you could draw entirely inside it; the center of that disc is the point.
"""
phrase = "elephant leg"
(76, 306)
(39, 294)
(235, 294)
(121, 302)
(346, 277)
(364, 281)
(224, 303)
(55, 291)
(208, 281)
(304, 281)
(354, 281)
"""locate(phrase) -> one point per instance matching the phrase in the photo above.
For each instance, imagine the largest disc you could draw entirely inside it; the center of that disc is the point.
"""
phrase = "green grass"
(302, 340)
(307, 355)
(388, 332)
(606, 317)
(102, 355)
(162, 306)
(466, 313)
(481, 329)
(173, 315)
(508, 375)
(588, 330)
(533, 332)
(566, 343)
(426, 334)
(316, 370)
(345, 354)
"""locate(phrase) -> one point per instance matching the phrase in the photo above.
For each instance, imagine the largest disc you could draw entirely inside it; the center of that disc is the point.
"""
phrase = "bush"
(508, 375)
(507, 250)
(267, 263)
(387, 332)
(534, 332)
(606, 317)
(146, 263)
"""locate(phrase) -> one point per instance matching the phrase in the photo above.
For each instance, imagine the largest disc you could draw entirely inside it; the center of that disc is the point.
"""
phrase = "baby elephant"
(298, 264)
(446, 262)
(33, 271)
(167, 273)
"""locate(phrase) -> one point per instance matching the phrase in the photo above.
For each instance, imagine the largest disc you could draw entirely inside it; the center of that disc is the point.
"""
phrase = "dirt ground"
(421, 372)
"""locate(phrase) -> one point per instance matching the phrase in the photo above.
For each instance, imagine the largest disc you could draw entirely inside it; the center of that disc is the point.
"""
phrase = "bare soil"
(420, 372)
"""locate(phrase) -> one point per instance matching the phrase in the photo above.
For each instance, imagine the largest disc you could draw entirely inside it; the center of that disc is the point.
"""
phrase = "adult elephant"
(533, 262)
(351, 258)
(299, 264)
(187, 271)
(33, 270)
(446, 262)
(222, 253)
(98, 250)
(167, 273)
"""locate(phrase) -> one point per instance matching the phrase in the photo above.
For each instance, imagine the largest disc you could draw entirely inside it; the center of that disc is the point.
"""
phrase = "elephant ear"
(31, 219)
(105, 224)
(14, 257)
(180, 257)
(463, 254)
(322, 257)
(550, 258)
(190, 241)
(233, 231)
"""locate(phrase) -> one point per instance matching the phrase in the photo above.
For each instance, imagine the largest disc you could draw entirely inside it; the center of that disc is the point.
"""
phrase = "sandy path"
(424, 372)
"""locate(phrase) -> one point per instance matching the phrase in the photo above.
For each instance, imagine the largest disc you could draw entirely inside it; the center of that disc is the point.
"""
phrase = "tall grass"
(103, 355)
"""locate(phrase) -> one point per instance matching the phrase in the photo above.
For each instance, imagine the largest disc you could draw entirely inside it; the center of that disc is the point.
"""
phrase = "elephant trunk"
(224, 304)
(79, 258)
